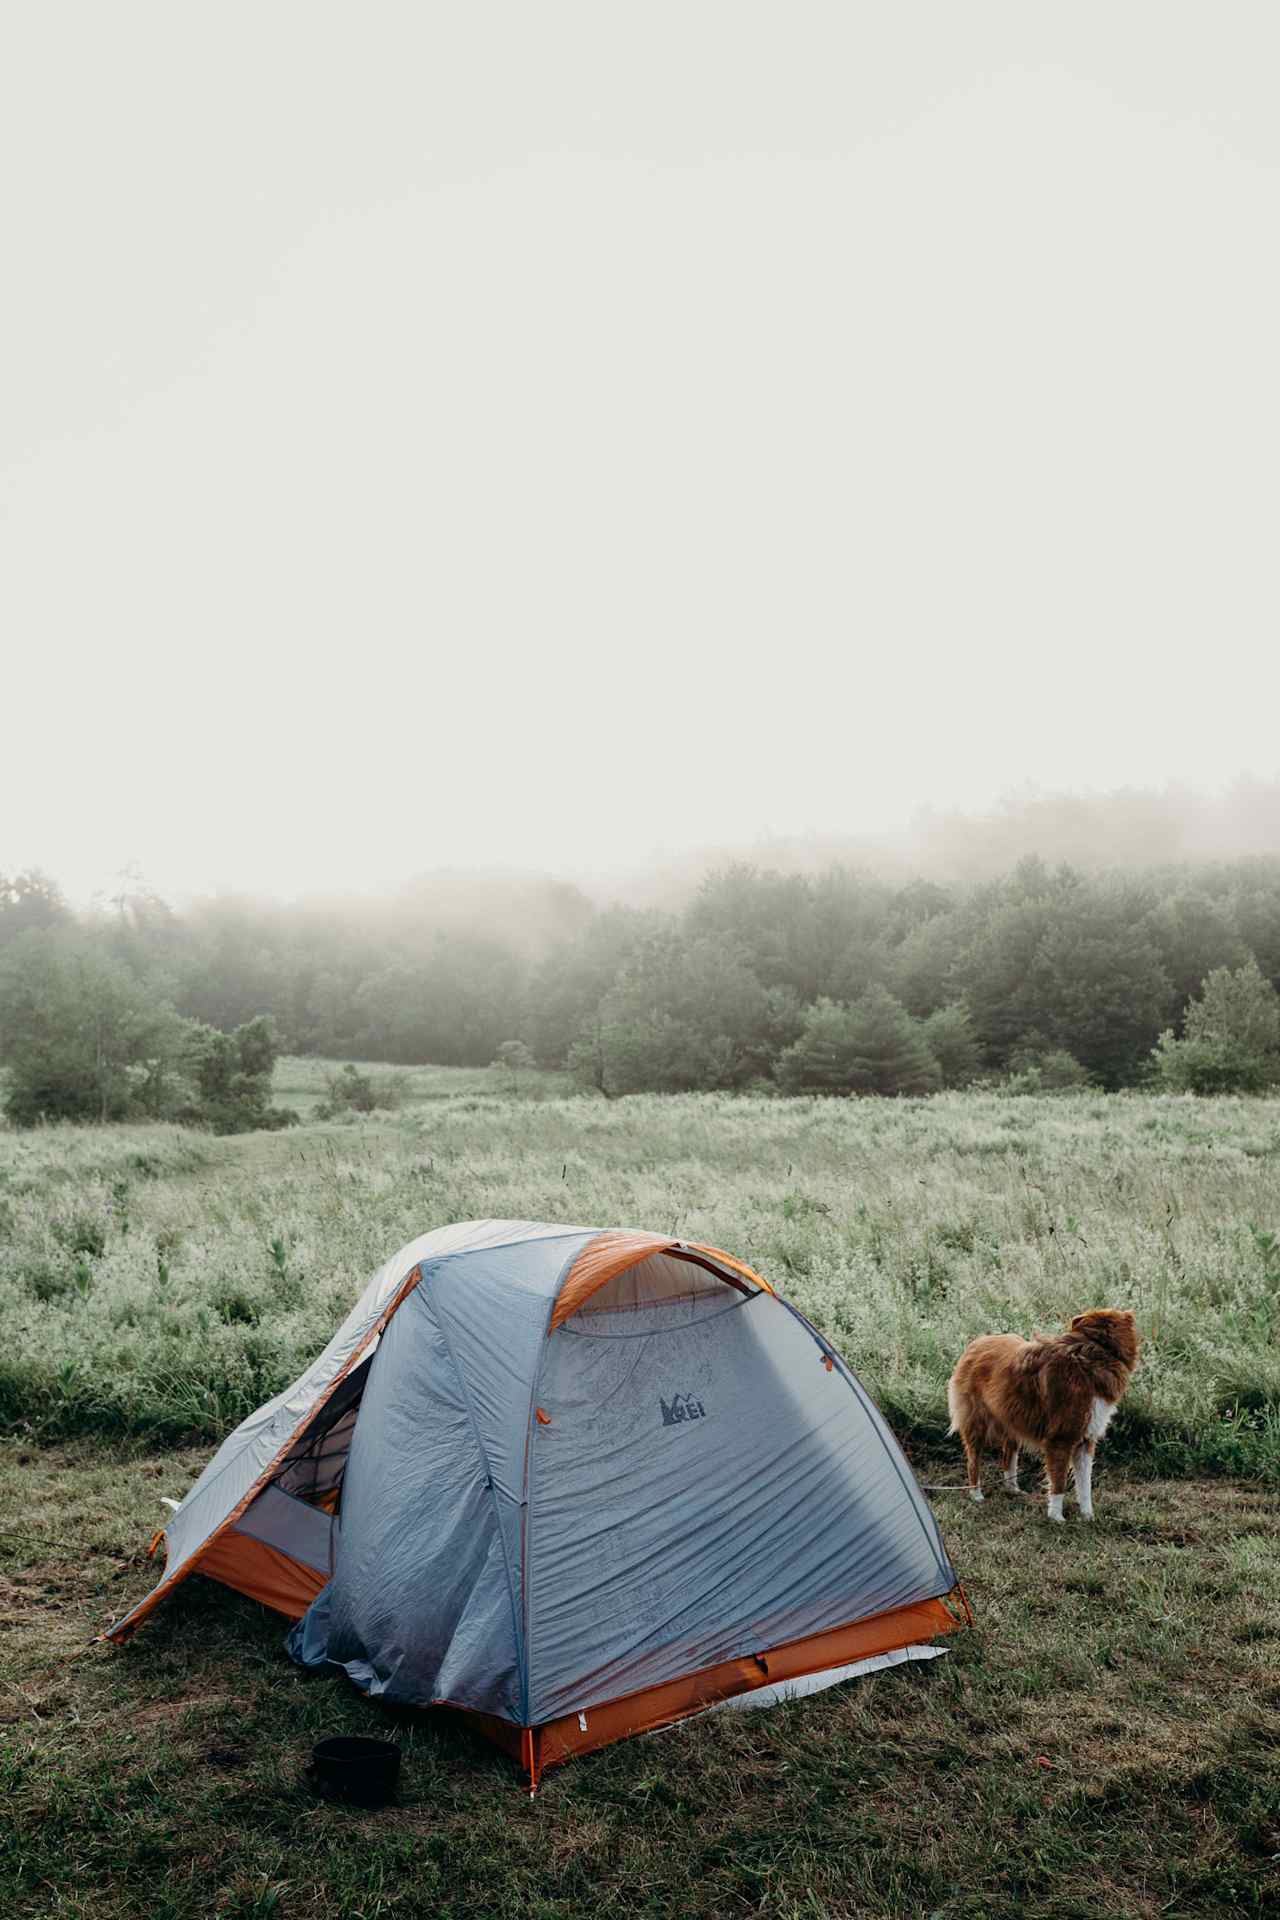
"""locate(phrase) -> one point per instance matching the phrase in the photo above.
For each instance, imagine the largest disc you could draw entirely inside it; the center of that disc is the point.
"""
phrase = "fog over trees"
(801, 969)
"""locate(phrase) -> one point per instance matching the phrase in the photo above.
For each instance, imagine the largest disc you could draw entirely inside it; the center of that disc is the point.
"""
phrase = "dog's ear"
(1078, 1322)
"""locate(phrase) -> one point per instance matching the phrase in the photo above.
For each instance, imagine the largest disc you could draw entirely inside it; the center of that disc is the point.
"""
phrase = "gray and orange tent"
(575, 1484)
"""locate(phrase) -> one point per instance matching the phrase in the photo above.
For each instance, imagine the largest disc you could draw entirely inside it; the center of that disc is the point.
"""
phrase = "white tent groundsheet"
(807, 1683)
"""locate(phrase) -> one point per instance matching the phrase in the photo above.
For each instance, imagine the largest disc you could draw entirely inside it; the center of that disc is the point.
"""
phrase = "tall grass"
(159, 1281)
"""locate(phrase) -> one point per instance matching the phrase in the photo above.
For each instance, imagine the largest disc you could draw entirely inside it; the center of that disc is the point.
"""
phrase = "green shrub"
(45, 1280)
(231, 1074)
(351, 1091)
(1231, 1037)
(1051, 1070)
(83, 1233)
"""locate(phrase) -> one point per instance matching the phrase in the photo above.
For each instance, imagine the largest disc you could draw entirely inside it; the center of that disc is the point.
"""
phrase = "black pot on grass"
(357, 1769)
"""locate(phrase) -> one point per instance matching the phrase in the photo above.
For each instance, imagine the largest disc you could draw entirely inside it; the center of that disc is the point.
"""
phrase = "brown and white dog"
(1055, 1395)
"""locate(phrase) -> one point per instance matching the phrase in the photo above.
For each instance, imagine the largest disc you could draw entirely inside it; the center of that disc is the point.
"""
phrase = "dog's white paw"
(1058, 1519)
(976, 1493)
(1055, 1509)
(1086, 1513)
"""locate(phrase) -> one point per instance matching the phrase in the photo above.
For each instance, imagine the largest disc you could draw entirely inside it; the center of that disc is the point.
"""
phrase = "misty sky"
(553, 435)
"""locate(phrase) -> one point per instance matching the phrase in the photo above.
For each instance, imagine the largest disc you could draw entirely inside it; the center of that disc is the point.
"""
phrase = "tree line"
(838, 982)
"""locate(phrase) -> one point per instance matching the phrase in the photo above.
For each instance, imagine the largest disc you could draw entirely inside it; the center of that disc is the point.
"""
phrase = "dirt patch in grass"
(1106, 1742)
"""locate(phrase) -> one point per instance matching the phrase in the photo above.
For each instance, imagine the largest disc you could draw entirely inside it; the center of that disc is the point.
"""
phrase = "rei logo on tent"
(681, 1406)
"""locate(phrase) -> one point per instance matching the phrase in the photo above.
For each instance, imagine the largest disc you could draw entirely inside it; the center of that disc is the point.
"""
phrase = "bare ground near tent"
(1104, 1743)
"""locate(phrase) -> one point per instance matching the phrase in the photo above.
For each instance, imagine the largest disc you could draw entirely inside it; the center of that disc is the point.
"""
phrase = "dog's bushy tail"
(955, 1405)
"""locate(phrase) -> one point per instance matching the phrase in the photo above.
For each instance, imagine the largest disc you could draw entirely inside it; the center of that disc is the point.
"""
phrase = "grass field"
(165, 1282)
(1104, 1743)
(302, 1083)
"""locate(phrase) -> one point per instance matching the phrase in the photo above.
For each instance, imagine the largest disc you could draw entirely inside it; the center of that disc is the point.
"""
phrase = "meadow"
(164, 1282)
(156, 1284)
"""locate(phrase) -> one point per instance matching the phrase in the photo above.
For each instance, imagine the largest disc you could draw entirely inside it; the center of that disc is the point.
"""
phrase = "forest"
(835, 980)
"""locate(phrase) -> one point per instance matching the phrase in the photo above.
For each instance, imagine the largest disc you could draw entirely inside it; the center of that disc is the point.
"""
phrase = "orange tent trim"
(536, 1748)
(610, 1254)
(271, 1583)
(727, 1260)
(262, 1571)
(561, 1739)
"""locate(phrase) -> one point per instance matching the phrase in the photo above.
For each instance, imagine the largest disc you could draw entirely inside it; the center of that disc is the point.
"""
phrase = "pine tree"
(873, 1046)
(891, 1046)
(950, 1038)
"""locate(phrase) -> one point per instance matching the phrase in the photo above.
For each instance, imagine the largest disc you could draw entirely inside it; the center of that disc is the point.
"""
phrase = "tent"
(576, 1484)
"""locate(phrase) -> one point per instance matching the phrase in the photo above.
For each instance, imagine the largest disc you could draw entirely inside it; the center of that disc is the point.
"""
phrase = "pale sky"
(547, 435)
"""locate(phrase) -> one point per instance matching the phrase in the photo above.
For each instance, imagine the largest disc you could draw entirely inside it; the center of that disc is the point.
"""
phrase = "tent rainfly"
(575, 1484)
